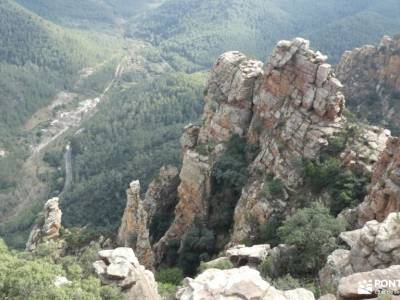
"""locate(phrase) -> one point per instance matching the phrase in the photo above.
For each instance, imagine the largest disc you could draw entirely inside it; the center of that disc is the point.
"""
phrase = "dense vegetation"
(32, 276)
(37, 60)
(133, 135)
(199, 31)
(88, 13)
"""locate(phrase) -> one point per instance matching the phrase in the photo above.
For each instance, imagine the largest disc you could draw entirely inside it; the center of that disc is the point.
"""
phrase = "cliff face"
(371, 78)
(288, 110)
(384, 192)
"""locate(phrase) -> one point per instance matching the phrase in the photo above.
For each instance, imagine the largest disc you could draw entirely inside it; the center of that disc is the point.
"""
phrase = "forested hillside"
(87, 13)
(200, 30)
(132, 136)
(37, 59)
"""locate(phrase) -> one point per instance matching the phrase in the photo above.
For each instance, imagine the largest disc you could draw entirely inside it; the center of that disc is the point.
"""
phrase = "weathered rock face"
(371, 78)
(384, 192)
(121, 267)
(375, 246)
(235, 284)
(161, 195)
(134, 231)
(297, 106)
(48, 226)
(227, 111)
(289, 110)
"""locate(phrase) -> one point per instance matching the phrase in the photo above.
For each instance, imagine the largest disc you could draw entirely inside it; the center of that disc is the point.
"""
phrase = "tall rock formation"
(228, 111)
(140, 214)
(134, 232)
(48, 225)
(289, 110)
(371, 78)
(384, 192)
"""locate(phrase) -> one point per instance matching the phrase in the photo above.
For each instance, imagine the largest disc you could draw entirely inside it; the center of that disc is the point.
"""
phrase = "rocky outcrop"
(48, 225)
(289, 110)
(134, 231)
(242, 283)
(121, 267)
(384, 193)
(375, 246)
(241, 255)
(228, 103)
(371, 78)
(297, 106)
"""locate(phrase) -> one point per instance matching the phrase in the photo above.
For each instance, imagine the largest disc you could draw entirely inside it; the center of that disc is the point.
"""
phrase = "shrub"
(313, 231)
(231, 168)
(199, 244)
(276, 187)
(267, 233)
(167, 291)
(172, 276)
(286, 283)
(222, 263)
(265, 268)
(345, 187)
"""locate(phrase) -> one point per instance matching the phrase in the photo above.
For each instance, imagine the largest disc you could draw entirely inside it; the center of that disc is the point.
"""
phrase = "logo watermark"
(379, 286)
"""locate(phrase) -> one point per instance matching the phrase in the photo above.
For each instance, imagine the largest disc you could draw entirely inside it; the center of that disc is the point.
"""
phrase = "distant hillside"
(87, 13)
(199, 31)
(37, 60)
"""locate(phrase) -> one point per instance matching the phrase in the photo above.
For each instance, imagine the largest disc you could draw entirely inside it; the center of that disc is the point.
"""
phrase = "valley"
(251, 147)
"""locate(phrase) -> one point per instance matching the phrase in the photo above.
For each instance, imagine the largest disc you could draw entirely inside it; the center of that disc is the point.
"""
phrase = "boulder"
(121, 267)
(240, 283)
(374, 246)
(370, 283)
(252, 256)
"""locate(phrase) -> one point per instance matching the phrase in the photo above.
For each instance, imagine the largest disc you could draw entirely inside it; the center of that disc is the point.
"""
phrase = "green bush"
(346, 188)
(313, 231)
(172, 276)
(231, 168)
(198, 245)
(32, 278)
(267, 233)
(221, 264)
(167, 291)
(276, 187)
(286, 283)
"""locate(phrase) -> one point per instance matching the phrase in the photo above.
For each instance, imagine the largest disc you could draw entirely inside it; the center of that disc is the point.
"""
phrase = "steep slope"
(371, 76)
(193, 30)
